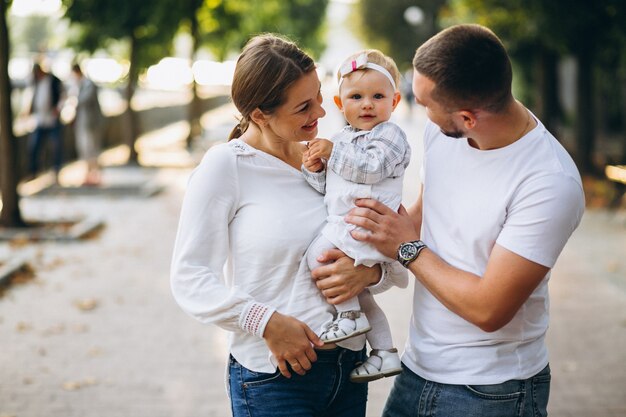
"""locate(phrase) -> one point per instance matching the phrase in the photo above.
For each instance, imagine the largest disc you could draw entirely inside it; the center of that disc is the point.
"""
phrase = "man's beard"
(453, 133)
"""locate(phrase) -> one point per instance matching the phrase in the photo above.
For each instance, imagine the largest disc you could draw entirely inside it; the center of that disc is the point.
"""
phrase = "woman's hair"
(469, 66)
(266, 68)
(375, 57)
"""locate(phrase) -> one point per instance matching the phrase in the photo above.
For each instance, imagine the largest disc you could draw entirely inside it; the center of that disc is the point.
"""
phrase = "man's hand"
(291, 341)
(339, 280)
(388, 229)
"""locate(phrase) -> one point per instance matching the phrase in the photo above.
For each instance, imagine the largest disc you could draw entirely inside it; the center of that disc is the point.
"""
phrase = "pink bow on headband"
(361, 63)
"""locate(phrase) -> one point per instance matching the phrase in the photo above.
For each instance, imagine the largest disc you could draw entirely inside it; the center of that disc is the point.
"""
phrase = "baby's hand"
(320, 148)
(312, 164)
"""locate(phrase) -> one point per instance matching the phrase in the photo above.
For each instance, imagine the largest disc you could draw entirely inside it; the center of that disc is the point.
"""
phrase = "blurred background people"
(46, 105)
(88, 125)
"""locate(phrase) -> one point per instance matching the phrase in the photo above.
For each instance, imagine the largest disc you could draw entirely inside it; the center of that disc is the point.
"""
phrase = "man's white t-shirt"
(526, 197)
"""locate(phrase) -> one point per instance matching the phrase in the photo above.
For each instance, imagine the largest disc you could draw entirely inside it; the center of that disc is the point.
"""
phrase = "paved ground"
(97, 333)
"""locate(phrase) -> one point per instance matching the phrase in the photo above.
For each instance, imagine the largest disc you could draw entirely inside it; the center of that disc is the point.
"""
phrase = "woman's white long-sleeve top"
(246, 221)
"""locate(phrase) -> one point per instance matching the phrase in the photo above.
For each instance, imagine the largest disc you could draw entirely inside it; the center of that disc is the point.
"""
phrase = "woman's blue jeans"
(414, 396)
(324, 391)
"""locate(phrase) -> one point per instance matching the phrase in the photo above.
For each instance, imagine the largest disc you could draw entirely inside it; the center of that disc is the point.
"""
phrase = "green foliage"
(31, 33)
(562, 25)
(151, 25)
(386, 28)
(228, 24)
(539, 32)
(514, 22)
(224, 25)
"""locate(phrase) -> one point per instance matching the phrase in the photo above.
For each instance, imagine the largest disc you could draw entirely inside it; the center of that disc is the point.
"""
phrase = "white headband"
(360, 63)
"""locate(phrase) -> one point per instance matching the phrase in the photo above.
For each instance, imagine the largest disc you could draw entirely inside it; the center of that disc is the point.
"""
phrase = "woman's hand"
(339, 280)
(291, 341)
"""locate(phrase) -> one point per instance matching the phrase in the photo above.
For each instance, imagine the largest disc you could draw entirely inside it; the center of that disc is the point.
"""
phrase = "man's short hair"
(469, 66)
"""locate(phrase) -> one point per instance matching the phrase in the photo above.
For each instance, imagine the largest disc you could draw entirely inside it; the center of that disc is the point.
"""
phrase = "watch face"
(408, 251)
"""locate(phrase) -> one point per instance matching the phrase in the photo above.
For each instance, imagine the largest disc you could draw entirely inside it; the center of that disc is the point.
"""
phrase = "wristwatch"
(409, 251)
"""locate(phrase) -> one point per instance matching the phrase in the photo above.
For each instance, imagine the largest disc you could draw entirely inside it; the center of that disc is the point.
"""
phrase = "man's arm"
(489, 302)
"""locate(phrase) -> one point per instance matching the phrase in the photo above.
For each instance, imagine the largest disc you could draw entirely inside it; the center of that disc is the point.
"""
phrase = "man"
(88, 125)
(46, 108)
(500, 198)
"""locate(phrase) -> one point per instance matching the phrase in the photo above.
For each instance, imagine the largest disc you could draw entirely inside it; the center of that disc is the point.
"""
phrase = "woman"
(246, 221)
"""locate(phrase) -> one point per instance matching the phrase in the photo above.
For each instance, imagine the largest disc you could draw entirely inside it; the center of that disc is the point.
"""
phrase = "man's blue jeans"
(54, 134)
(414, 396)
(324, 391)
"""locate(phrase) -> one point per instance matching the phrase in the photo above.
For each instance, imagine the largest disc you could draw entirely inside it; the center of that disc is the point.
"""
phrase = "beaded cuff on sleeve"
(254, 318)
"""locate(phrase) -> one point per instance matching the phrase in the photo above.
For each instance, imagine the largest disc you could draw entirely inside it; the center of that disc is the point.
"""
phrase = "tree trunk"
(622, 160)
(585, 125)
(131, 114)
(548, 104)
(194, 111)
(10, 215)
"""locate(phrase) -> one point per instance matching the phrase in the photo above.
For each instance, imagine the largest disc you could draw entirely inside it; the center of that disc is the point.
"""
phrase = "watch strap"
(419, 245)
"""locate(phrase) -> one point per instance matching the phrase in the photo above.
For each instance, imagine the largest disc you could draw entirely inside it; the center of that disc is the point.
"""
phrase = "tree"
(388, 29)
(10, 215)
(147, 27)
(534, 55)
(31, 33)
(590, 28)
(225, 25)
(541, 32)
(189, 10)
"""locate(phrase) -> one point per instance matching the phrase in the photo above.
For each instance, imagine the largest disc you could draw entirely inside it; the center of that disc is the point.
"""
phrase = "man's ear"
(468, 117)
(338, 102)
(258, 117)
(396, 99)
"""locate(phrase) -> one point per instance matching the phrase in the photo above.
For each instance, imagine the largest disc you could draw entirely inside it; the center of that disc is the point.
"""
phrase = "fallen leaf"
(23, 327)
(80, 328)
(76, 385)
(19, 241)
(56, 329)
(22, 276)
(71, 385)
(54, 264)
(612, 266)
(94, 352)
(86, 304)
(90, 381)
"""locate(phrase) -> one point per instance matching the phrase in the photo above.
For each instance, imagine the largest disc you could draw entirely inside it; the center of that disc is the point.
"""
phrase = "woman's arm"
(291, 341)
(200, 251)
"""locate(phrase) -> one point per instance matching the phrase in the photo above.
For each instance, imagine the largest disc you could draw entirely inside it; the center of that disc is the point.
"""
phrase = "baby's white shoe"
(347, 324)
(381, 363)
